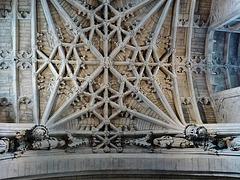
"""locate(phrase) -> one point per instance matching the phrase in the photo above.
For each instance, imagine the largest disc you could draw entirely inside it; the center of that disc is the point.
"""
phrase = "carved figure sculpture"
(4, 145)
(41, 140)
(36, 138)
(212, 142)
(193, 131)
(171, 142)
(235, 144)
(200, 138)
(163, 142)
(39, 133)
(49, 143)
(181, 143)
(21, 141)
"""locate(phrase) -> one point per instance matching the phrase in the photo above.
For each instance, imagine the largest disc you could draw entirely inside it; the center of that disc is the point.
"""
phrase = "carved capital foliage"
(145, 141)
(75, 142)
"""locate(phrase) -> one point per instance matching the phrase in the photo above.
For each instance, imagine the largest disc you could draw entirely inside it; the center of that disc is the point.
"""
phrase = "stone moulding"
(176, 164)
(193, 136)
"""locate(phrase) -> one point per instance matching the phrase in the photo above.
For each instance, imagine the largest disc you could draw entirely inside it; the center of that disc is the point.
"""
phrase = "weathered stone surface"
(178, 164)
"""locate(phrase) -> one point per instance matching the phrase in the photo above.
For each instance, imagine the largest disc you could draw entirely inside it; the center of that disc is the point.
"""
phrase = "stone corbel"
(199, 22)
(5, 101)
(5, 13)
(185, 100)
(24, 65)
(183, 20)
(25, 100)
(205, 101)
(24, 15)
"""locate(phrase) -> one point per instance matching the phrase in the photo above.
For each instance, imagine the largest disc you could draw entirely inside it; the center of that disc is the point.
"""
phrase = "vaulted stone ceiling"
(112, 65)
(109, 64)
(100, 66)
(119, 73)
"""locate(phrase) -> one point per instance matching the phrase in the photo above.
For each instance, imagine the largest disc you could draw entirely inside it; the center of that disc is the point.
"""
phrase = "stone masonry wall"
(198, 60)
(49, 165)
(23, 63)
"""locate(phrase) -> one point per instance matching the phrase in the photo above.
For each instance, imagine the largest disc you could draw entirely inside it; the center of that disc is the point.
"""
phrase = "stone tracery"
(142, 65)
(105, 66)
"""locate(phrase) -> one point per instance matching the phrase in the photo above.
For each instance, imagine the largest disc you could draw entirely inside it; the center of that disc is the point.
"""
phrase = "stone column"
(34, 62)
(15, 58)
(188, 56)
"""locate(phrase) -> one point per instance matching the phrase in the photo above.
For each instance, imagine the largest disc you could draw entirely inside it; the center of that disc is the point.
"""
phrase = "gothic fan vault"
(109, 66)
